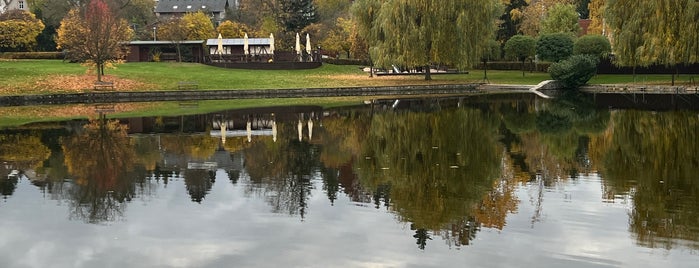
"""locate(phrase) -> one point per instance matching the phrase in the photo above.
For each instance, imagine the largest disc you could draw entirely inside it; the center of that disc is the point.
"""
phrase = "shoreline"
(410, 90)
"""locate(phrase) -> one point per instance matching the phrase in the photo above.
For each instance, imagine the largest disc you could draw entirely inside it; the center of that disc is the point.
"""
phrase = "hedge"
(346, 61)
(33, 55)
(516, 65)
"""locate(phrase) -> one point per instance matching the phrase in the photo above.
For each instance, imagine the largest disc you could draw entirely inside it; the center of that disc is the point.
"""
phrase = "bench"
(187, 85)
(102, 85)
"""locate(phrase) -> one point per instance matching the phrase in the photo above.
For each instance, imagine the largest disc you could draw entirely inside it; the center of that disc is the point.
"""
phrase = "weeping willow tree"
(657, 32)
(421, 32)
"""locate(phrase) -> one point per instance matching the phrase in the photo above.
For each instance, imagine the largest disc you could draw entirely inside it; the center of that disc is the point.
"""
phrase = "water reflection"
(445, 169)
(652, 158)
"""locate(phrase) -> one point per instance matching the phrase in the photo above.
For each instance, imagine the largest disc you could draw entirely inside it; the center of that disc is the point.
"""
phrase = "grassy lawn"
(54, 76)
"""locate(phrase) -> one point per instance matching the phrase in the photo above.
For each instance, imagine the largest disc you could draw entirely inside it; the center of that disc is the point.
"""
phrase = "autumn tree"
(561, 18)
(231, 29)
(533, 14)
(597, 21)
(198, 26)
(657, 32)
(18, 30)
(94, 35)
(510, 19)
(418, 33)
(191, 26)
(338, 39)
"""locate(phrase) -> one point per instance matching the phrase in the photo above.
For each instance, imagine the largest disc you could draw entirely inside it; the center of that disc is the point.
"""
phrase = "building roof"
(165, 42)
(239, 42)
(182, 6)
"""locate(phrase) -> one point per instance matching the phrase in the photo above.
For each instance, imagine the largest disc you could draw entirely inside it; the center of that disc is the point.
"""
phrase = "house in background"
(216, 9)
(6, 5)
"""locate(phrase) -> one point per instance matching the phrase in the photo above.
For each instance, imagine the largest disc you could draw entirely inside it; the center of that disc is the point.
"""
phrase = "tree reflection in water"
(652, 157)
(281, 171)
(439, 166)
(100, 160)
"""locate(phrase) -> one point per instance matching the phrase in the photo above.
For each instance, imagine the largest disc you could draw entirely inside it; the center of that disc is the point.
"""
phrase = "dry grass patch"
(71, 84)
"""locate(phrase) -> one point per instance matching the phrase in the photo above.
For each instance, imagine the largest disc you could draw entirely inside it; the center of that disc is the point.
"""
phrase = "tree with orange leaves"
(94, 35)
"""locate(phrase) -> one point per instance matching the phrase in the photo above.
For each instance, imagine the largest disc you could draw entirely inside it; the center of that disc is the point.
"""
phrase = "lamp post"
(154, 38)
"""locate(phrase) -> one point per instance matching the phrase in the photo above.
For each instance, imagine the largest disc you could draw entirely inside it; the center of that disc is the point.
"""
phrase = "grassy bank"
(16, 116)
(22, 77)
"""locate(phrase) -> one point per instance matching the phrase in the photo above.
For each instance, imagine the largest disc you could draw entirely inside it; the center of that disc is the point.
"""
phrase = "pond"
(487, 181)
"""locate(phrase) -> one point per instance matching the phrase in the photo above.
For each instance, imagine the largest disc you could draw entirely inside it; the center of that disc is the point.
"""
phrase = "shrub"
(574, 71)
(592, 44)
(555, 46)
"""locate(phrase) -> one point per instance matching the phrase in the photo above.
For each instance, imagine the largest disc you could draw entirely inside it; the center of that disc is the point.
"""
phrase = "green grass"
(21, 76)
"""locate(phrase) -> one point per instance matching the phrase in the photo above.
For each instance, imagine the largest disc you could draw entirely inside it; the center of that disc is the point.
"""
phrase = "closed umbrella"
(245, 44)
(298, 44)
(219, 49)
(308, 44)
(271, 44)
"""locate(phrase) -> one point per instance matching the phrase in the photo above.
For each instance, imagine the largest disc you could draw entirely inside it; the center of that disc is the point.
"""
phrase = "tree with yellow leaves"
(233, 29)
(18, 30)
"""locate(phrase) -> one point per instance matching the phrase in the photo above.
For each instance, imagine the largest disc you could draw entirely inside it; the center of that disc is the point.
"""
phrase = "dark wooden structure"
(142, 51)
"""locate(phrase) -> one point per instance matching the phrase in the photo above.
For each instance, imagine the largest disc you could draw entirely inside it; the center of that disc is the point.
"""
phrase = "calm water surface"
(507, 181)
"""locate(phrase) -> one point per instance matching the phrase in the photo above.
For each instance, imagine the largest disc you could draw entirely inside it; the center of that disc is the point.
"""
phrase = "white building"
(6, 5)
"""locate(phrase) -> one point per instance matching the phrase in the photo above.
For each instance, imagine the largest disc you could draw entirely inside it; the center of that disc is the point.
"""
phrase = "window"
(174, 7)
(21, 4)
(189, 7)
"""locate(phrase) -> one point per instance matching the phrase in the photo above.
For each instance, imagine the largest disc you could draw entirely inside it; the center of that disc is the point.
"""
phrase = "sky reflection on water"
(576, 229)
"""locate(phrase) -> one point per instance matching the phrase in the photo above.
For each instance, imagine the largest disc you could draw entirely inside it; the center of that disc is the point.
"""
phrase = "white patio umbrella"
(298, 44)
(245, 44)
(271, 44)
(308, 44)
(219, 49)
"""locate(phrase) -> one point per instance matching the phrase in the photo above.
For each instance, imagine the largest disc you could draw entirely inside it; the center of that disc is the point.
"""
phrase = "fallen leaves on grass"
(82, 83)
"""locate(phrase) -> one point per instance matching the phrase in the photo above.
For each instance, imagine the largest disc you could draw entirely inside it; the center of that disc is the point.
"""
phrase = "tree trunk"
(428, 76)
(523, 67)
(99, 71)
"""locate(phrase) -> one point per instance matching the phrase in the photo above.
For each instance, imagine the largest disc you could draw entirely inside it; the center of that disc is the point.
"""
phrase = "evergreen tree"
(295, 15)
